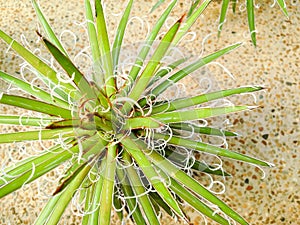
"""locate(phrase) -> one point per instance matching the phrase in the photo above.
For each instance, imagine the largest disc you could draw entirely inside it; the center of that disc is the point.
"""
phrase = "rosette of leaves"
(119, 141)
(250, 7)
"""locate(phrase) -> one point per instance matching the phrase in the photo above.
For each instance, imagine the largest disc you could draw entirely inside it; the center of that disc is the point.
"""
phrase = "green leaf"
(108, 185)
(148, 43)
(94, 123)
(25, 165)
(194, 201)
(88, 200)
(76, 169)
(202, 130)
(36, 135)
(47, 28)
(196, 114)
(149, 71)
(251, 20)
(202, 147)
(45, 72)
(46, 212)
(120, 34)
(68, 123)
(24, 120)
(99, 80)
(154, 197)
(224, 8)
(93, 147)
(73, 72)
(166, 70)
(93, 218)
(234, 5)
(156, 207)
(141, 123)
(184, 161)
(118, 207)
(157, 4)
(140, 191)
(136, 151)
(192, 184)
(106, 58)
(194, 4)
(39, 166)
(282, 5)
(34, 91)
(199, 99)
(66, 196)
(190, 21)
(131, 201)
(35, 105)
(189, 69)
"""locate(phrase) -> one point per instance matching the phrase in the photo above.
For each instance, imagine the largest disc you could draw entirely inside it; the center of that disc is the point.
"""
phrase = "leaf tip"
(235, 134)
(39, 34)
(252, 107)
(182, 18)
(260, 87)
(240, 43)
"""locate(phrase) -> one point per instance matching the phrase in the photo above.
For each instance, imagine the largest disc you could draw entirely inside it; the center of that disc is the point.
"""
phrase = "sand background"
(270, 132)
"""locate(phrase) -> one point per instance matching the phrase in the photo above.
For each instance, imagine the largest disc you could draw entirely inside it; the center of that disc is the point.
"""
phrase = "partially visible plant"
(126, 147)
(250, 6)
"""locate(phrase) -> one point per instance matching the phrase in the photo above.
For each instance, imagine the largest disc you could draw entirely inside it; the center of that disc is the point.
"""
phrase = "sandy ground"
(270, 132)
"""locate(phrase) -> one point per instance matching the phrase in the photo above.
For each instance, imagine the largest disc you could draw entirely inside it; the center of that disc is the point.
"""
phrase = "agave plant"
(121, 141)
(249, 5)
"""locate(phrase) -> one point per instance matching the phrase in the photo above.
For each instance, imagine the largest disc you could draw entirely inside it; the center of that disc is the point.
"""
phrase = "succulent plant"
(125, 146)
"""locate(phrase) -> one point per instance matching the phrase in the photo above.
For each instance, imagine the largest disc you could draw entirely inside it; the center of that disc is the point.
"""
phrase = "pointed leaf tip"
(259, 87)
(182, 18)
(252, 107)
(240, 43)
(39, 34)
